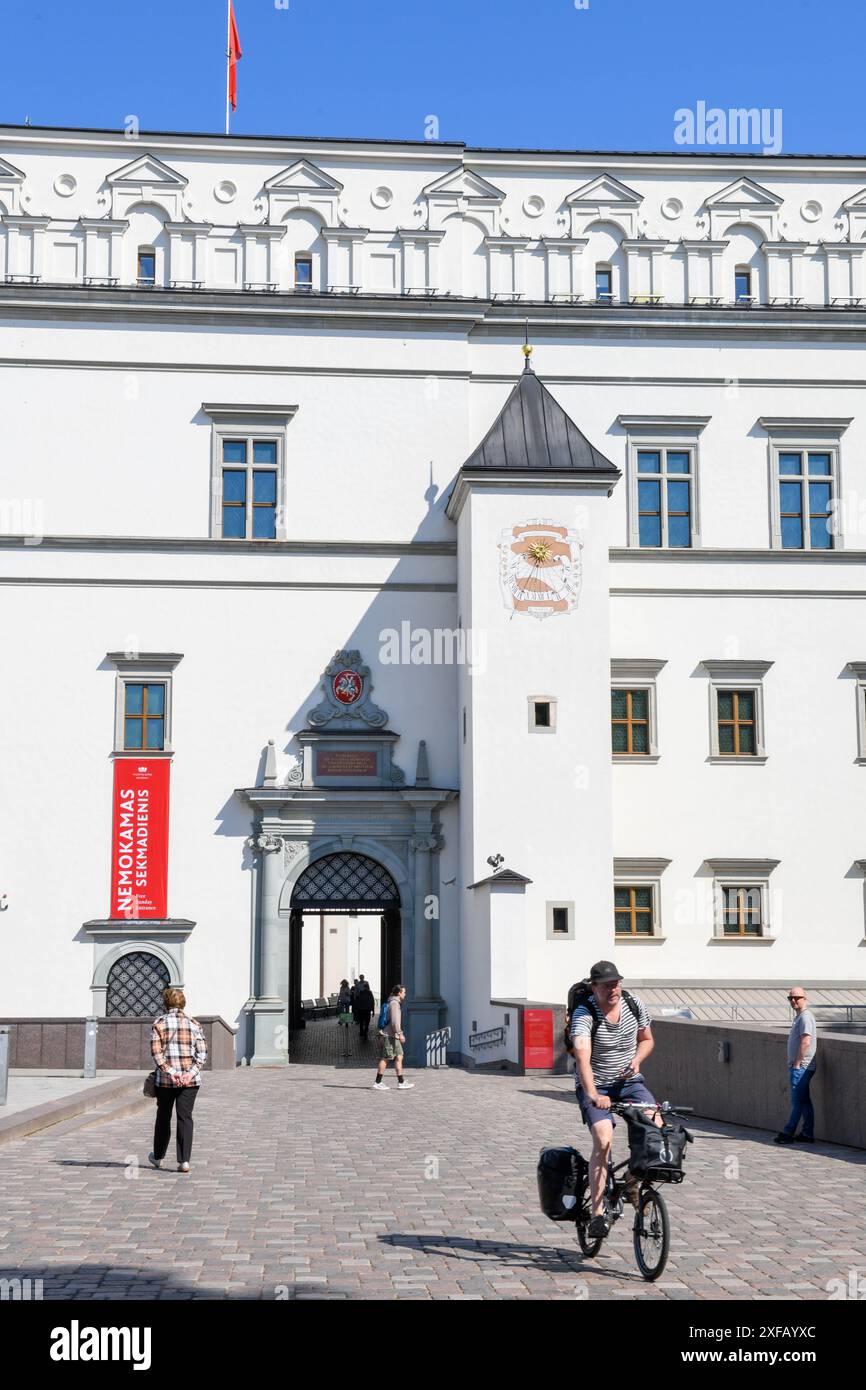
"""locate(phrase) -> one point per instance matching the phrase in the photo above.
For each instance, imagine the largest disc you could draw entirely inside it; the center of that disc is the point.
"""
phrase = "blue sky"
(530, 73)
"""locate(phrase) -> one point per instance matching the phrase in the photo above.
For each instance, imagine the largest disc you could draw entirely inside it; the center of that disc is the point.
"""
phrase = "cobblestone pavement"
(305, 1184)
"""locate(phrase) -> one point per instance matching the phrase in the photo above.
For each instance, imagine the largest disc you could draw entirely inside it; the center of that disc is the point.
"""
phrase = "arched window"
(603, 283)
(743, 285)
(146, 274)
(135, 985)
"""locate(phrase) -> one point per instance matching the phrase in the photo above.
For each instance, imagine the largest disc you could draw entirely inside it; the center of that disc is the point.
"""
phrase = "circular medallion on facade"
(65, 185)
(671, 208)
(533, 206)
(347, 687)
(226, 191)
(811, 210)
(381, 197)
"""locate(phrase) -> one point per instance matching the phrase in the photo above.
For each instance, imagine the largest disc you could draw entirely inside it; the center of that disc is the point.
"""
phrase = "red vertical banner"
(139, 838)
(537, 1038)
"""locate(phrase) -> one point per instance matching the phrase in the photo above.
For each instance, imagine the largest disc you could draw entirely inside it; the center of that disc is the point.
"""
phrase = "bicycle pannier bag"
(562, 1181)
(657, 1153)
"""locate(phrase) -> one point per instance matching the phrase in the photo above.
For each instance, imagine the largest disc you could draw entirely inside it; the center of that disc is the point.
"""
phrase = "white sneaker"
(380, 1086)
(405, 1085)
(183, 1167)
(153, 1161)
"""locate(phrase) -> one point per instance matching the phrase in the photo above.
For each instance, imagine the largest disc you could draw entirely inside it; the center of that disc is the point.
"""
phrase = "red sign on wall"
(139, 840)
(537, 1038)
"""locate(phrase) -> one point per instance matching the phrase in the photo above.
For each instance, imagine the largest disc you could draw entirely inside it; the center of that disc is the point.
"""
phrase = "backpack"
(581, 993)
(384, 1014)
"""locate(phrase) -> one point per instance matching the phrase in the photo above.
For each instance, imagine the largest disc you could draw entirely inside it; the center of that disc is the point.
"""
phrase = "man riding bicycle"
(611, 1036)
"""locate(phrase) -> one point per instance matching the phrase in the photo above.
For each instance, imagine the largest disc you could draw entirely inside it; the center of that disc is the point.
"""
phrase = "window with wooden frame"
(742, 902)
(742, 910)
(629, 721)
(735, 711)
(144, 715)
(633, 911)
(633, 709)
(143, 702)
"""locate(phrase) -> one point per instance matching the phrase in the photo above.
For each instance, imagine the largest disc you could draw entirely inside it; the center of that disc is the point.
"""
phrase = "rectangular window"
(664, 497)
(629, 721)
(743, 286)
(603, 283)
(741, 910)
(304, 273)
(805, 482)
(736, 715)
(560, 919)
(144, 716)
(633, 910)
(146, 267)
(249, 489)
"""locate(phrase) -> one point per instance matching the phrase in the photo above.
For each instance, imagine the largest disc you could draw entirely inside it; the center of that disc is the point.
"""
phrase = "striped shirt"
(615, 1043)
(177, 1045)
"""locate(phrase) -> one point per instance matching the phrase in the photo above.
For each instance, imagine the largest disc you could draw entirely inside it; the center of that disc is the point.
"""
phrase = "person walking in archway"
(179, 1050)
(393, 1038)
(364, 1006)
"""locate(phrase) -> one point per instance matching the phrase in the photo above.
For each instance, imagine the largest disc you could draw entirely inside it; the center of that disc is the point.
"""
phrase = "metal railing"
(740, 1012)
(437, 1044)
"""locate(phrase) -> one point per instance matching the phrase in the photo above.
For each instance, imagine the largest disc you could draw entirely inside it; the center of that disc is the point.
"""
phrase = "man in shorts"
(611, 1037)
(392, 1039)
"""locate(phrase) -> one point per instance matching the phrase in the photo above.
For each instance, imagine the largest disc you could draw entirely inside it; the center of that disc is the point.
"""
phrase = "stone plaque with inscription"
(346, 762)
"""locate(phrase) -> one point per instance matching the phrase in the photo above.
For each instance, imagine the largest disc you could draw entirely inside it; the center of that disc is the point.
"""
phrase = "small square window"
(542, 714)
(560, 919)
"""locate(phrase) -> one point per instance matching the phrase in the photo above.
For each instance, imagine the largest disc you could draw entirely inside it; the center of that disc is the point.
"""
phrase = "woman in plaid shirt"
(179, 1053)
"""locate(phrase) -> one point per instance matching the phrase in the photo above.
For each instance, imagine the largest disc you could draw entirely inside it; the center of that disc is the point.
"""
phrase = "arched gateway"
(337, 884)
(344, 831)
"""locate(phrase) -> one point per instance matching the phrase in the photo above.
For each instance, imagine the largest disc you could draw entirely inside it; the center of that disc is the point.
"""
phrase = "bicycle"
(652, 1230)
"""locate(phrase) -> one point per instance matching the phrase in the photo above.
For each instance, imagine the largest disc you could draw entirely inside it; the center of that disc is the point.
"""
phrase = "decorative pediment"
(303, 185)
(147, 179)
(463, 183)
(462, 190)
(855, 206)
(744, 201)
(347, 688)
(11, 180)
(303, 177)
(744, 192)
(607, 199)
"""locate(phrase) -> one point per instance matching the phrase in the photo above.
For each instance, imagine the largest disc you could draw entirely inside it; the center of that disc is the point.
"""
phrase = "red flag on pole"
(235, 56)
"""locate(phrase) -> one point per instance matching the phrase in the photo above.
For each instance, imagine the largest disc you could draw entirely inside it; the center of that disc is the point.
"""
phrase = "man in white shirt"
(802, 1061)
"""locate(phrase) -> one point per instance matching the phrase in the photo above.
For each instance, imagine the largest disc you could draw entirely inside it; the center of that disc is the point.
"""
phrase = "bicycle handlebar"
(664, 1108)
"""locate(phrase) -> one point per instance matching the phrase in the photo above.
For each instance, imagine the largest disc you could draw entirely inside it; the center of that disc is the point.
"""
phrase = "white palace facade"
(320, 597)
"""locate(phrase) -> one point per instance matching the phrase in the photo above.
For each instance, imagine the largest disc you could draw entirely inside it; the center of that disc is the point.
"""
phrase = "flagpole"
(228, 56)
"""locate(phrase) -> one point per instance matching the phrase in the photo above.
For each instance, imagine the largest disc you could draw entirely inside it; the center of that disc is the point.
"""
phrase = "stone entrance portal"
(344, 831)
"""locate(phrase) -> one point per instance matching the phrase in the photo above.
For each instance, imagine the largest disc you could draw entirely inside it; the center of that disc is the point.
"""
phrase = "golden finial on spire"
(527, 348)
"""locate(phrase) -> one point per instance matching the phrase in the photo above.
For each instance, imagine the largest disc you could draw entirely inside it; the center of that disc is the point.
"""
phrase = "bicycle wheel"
(652, 1234)
(588, 1247)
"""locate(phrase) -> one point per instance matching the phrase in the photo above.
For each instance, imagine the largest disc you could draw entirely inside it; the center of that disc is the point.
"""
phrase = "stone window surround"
(631, 872)
(139, 668)
(532, 701)
(678, 432)
(737, 674)
(268, 422)
(639, 673)
(792, 434)
(858, 668)
(741, 873)
(559, 935)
